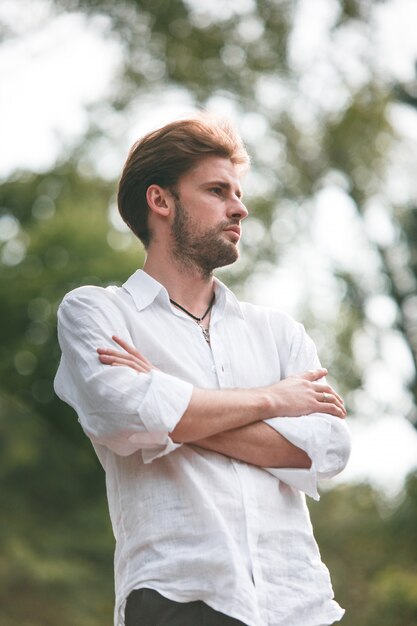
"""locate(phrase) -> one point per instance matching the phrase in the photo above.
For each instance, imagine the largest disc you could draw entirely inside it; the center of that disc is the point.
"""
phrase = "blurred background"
(324, 93)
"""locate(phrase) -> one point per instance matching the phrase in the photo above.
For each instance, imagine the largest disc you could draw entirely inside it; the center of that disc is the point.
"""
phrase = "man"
(210, 417)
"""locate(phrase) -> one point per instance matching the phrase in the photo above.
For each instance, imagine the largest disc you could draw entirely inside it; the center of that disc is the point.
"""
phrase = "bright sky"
(51, 75)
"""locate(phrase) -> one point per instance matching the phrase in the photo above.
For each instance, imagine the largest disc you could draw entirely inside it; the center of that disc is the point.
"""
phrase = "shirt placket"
(248, 489)
(250, 497)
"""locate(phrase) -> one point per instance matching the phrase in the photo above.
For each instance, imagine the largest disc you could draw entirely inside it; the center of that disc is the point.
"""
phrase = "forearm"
(324, 438)
(257, 444)
(211, 412)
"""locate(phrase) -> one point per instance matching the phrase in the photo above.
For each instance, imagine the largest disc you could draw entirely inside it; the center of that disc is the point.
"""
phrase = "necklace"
(205, 331)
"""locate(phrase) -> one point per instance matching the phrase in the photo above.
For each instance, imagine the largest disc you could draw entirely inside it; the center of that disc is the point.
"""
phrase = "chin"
(227, 259)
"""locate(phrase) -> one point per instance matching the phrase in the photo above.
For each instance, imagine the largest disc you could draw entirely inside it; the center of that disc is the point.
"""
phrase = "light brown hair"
(162, 156)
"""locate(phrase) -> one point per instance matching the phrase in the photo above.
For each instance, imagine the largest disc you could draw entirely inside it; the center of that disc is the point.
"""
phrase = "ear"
(159, 200)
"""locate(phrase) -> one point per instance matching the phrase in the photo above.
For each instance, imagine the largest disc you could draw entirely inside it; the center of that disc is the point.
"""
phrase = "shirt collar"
(144, 290)
(226, 301)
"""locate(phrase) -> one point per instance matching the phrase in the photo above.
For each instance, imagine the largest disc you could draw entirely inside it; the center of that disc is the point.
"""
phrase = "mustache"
(227, 223)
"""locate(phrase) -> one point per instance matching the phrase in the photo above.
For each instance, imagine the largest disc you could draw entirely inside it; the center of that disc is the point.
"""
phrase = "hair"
(162, 156)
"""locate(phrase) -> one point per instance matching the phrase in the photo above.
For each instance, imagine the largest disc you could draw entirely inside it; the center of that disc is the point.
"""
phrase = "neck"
(185, 285)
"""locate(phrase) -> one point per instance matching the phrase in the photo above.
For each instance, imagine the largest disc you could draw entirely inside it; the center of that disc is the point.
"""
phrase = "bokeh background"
(324, 93)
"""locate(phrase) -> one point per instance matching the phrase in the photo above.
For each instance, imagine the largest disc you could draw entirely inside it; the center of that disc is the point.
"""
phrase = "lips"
(234, 229)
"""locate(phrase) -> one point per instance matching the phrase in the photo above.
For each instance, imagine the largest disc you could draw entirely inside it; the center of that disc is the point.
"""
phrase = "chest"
(240, 354)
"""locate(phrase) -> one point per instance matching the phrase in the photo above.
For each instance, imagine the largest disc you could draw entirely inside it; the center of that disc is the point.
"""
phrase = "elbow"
(338, 452)
(116, 440)
(345, 446)
(126, 442)
(183, 434)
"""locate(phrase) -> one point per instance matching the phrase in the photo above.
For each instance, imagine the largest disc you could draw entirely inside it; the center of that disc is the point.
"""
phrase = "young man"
(215, 418)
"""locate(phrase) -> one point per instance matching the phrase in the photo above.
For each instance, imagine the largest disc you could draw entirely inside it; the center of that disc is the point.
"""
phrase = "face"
(208, 212)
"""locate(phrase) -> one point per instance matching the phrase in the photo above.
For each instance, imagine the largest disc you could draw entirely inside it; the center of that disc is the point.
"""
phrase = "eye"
(216, 190)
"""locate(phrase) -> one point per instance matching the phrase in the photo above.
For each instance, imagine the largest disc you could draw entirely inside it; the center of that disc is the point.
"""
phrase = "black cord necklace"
(205, 331)
(197, 319)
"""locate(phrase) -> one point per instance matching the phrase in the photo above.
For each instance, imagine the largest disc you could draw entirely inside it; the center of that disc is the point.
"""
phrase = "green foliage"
(64, 233)
(55, 540)
(369, 545)
(56, 543)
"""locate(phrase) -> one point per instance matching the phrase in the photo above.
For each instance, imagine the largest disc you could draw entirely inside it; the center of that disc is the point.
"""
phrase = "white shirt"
(191, 523)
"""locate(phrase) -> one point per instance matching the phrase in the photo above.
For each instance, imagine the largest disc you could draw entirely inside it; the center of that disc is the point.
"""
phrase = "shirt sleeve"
(117, 407)
(325, 438)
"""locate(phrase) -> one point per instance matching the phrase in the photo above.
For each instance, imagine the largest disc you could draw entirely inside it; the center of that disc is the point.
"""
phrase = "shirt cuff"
(165, 402)
(310, 433)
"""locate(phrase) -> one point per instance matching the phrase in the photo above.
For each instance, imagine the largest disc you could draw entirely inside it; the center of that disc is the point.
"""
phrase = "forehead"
(212, 169)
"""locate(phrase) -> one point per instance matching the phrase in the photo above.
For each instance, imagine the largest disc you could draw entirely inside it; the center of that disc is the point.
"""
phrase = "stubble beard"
(203, 252)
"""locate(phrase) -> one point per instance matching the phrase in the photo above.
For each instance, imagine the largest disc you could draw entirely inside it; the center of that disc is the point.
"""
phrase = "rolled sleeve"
(163, 406)
(117, 407)
(324, 438)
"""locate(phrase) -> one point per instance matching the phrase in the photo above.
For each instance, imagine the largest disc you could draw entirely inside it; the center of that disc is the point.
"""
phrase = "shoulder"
(288, 334)
(90, 294)
(90, 300)
(277, 319)
(255, 313)
(295, 346)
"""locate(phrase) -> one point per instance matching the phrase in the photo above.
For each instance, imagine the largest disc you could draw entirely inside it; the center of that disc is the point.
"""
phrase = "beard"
(204, 251)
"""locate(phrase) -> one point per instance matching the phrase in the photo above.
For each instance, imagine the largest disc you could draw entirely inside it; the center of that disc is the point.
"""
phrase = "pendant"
(206, 333)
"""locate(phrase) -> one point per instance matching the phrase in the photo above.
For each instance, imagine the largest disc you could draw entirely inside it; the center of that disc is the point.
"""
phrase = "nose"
(237, 209)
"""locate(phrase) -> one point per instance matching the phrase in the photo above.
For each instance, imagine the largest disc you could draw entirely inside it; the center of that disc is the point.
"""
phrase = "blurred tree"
(56, 544)
(369, 546)
(56, 236)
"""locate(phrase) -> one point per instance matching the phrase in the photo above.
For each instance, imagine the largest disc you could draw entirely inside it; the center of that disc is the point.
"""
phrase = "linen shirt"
(188, 522)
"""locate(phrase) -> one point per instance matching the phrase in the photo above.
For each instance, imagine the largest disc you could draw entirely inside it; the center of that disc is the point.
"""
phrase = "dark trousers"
(146, 607)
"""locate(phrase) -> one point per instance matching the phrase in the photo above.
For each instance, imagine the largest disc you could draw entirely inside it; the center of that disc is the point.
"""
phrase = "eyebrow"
(223, 185)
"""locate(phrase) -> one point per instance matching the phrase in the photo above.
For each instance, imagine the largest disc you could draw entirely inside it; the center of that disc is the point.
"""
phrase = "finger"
(327, 401)
(109, 359)
(333, 409)
(313, 375)
(116, 353)
(334, 393)
(134, 364)
(145, 360)
(326, 397)
(126, 346)
(133, 351)
(328, 389)
(141, 361)
(122, 355)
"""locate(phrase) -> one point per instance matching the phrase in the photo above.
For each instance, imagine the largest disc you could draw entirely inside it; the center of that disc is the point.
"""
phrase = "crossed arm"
(230, 421)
